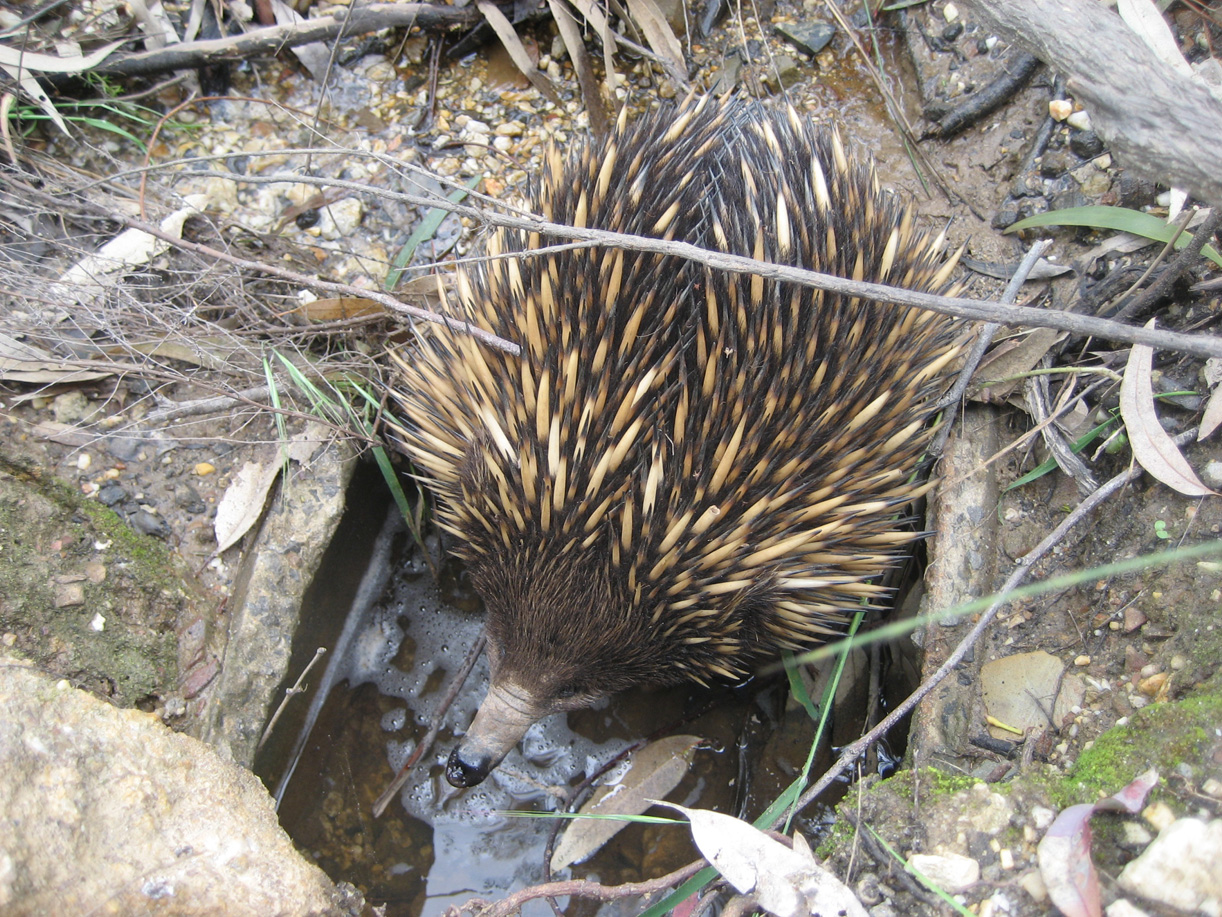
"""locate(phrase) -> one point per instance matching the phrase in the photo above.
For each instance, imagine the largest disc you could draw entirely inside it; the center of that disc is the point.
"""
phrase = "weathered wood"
(1166, 126)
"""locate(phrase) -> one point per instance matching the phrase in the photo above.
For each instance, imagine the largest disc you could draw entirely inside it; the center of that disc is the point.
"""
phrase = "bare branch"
(273, 39)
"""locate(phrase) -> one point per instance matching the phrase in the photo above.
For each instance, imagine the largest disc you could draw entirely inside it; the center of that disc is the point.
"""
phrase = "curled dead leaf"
(1154, 450)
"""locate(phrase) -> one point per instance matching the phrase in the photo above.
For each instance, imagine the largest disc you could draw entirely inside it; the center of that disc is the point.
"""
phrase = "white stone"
(1123, 908)
(1079, 120)
(102, 810)
(949, 872)
(1042, 816)
(1033, 884)
(1182, 868)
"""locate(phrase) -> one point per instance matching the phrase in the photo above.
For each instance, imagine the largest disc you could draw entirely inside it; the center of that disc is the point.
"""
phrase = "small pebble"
(1153, 685)
(1135, 834)
(1033, 884)
(69, 595)
(1079, 120)
(112, 494)
(1060, 109)
(1159, 815)
(204, 468)
(146, 523)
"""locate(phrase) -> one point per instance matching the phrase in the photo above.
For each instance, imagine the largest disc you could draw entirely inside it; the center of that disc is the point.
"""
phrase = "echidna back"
(686, 470)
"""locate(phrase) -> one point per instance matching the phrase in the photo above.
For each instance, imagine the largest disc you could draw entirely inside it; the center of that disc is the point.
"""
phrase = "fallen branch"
(1022, 568)
(579, 888)
(273, 39)
(974, 310)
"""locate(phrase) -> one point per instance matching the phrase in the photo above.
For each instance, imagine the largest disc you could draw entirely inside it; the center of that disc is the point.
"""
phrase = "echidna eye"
(567, 692)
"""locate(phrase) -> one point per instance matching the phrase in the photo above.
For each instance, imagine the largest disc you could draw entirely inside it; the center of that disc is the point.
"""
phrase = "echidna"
(685, 471)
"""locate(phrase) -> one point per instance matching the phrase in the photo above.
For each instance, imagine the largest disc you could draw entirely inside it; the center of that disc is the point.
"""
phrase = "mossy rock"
(84, 596)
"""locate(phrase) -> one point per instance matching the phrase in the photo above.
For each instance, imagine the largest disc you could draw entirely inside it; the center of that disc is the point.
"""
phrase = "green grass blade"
(829, 695)
(273, 395)
(924, 880)
(1120, 219)
(426, 229)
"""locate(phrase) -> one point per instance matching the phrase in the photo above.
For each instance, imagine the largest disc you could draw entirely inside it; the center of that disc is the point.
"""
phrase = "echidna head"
(515, 700)
(560, 637)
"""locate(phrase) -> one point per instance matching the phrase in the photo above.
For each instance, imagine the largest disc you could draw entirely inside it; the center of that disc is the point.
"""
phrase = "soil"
(109, 515)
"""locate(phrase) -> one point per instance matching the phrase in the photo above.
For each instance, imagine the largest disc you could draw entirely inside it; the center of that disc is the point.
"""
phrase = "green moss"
(53, 539)
(1162, 736)
(938, 783)
(152, 561)
(895, 797)
(841, 832)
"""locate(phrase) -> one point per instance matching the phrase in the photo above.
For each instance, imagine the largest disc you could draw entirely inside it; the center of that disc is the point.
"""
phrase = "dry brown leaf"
(1064, 853)
(658, 33)
(242, 503)
(49, 63)
(1154, 450)
(339, 308)
(655, 770)
(570, 34)
(1212, 415)
(89, 279)
(1011, 358)
(314, 56)
(517, 51)
(601, 27)
(21, 65)
(63, 433)
(196, 354)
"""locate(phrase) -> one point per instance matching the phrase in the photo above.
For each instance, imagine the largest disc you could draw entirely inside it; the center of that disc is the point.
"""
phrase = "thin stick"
(984, 337)
(582, 889)
(976, 310)
(439, 715)
(298, 688)
(1202, 235)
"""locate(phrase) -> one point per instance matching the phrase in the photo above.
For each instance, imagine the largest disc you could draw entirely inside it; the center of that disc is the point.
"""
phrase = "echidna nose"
(462, 773)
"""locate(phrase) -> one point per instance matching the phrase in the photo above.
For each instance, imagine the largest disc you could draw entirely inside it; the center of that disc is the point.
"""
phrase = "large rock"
(104, 810)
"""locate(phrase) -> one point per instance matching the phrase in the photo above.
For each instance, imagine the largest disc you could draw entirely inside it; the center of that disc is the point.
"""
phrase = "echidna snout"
(502, 720)
(532, 679)
(685, 471)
